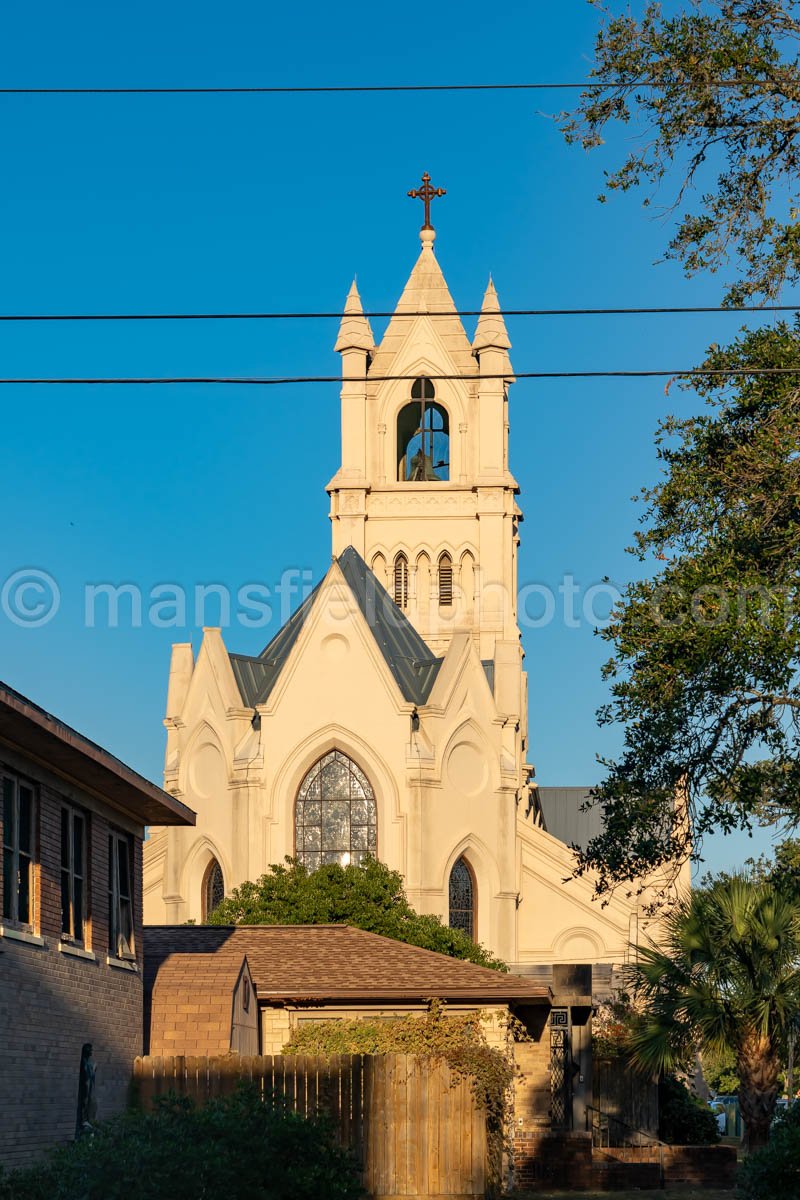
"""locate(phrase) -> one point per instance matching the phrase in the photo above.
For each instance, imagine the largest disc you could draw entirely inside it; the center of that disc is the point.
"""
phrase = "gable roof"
(413, 665)
(316, 963)
(69, 754)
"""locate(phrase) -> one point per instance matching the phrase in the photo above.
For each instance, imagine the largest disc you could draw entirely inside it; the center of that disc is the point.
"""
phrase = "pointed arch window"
(445, 580)
(423, 437)
(336, 817)
(462, 896)
(401, 581)
(213, 888)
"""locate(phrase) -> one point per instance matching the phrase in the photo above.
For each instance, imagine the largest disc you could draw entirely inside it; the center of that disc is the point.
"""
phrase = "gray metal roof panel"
(413, 665)
(563, 816)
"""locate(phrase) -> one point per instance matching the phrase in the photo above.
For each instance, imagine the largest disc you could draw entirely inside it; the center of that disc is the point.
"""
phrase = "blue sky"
(275, 202)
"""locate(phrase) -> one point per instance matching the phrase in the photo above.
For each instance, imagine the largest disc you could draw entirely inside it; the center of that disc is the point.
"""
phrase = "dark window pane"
(66, 924)
(8, 813)
(123, 860)
(77, 931)
(65, 839)
(77, 843)
(25, 819)
(9, 883)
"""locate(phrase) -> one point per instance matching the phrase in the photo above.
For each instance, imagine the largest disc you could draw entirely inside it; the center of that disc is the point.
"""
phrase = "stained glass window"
(214, 887)
(335, 814)
(462, 898)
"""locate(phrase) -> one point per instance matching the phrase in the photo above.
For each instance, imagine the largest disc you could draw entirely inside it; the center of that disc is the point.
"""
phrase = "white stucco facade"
(438, 726)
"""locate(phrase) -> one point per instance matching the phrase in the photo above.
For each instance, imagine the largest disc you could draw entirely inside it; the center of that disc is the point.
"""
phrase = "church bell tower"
(424, 492)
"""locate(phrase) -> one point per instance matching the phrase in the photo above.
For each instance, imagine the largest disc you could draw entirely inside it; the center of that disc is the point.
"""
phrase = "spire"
(354, 331)
(491, 331)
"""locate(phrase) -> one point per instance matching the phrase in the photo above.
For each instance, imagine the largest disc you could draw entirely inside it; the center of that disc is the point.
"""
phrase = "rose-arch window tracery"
(423, 437)
(335, 814)
(462, 898)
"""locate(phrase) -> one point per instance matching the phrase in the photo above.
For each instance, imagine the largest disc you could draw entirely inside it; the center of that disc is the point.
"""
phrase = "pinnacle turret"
(491, 332)
(354, 331)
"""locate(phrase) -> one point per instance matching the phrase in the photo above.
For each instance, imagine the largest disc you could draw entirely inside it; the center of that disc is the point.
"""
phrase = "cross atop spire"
(426, 193)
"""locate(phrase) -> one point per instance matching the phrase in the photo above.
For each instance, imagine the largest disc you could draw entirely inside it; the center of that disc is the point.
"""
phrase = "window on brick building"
(120, 896)
(73, 875)
(18, 851)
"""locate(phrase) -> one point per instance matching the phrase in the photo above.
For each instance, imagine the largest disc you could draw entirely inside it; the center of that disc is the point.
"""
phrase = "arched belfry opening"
(463, 897)
(213, 888)
(336, 819)
(423, 437)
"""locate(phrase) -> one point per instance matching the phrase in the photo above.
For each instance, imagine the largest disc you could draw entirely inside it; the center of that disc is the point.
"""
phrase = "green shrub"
(685, 1120)
(774, 1171)
(238, 1148)
(367, 895)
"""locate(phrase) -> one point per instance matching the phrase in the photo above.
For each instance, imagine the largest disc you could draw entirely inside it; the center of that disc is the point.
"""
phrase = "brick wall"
(51, 1000)
(697, 1166)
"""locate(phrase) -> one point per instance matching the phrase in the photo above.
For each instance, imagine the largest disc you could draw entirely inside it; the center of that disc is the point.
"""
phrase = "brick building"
(72, 824)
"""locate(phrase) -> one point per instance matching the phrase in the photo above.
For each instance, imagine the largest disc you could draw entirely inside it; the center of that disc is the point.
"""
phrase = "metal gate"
(560, 1069)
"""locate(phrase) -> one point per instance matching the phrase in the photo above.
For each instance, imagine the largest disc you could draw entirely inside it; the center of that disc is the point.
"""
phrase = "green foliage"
(237, 1147)
(739, 141)
(783, 869)
(438, 1036)
(683, 1119)
(706, 651)
(612, 1025)
(368, 896)
(719, 1072)
(775, 1170)
(726, 979)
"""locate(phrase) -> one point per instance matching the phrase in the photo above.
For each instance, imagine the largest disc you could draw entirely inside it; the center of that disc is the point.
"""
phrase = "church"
(389, 715)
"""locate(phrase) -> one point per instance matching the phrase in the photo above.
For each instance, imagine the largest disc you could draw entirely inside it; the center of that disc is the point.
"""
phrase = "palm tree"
(727, 977)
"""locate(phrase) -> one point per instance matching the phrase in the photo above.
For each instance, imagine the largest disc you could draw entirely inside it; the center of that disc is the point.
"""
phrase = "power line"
(466, 312)
(273, 380)
(587, 84)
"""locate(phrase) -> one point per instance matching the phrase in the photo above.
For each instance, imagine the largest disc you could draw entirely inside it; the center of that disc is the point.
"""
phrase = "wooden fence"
(414, 1130)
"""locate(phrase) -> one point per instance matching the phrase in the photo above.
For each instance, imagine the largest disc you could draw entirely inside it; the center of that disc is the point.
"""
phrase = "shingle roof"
(413, 665)
(188, 998)
(293, 963)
